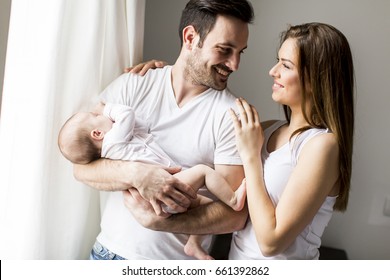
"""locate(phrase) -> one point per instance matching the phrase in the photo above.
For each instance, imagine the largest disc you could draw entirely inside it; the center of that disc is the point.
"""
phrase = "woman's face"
(286, 88)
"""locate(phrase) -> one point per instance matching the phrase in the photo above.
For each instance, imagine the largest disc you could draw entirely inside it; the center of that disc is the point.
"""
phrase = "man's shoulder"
(158, 72)
(152, 82)
(150, 75)
(223, 97)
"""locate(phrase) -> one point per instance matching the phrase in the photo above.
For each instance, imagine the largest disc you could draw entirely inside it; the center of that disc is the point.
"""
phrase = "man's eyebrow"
(230, 45)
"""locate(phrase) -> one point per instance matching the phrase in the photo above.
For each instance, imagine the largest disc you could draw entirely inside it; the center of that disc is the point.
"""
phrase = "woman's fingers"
(248, 116)
(234, 117)
(255, 115)
(248, 111)
(241, 111)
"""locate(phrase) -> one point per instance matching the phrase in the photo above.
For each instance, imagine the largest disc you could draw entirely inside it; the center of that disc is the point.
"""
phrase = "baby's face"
(98, 121)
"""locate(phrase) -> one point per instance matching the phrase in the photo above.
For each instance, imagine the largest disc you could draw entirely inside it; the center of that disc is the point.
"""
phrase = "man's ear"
(189, 37)
(97, 134)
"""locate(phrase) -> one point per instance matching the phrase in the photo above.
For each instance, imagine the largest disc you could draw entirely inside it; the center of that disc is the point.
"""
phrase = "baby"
(118, 134)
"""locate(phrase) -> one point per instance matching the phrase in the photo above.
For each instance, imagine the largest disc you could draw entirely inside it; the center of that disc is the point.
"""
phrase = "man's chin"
(217, 84)
(220, 86)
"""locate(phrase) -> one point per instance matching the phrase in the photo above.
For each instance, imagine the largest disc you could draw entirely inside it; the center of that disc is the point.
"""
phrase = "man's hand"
(141, 209)
(143, 67)
(157, 185)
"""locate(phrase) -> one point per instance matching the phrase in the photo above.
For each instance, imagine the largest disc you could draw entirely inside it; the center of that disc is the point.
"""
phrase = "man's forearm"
(105, 174)
(153, 183)
(213, 218)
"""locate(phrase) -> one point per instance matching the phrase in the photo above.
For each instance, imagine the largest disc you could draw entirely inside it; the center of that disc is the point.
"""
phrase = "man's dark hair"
(202, 14)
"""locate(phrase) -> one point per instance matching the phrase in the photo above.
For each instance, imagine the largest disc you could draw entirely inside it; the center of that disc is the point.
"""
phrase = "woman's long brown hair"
(327, 78)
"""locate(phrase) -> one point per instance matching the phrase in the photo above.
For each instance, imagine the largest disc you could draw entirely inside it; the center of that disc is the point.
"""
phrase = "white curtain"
(60, 55)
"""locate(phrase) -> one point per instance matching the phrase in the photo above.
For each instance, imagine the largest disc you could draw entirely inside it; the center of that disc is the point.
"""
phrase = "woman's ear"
(97, 134)
(189, 37)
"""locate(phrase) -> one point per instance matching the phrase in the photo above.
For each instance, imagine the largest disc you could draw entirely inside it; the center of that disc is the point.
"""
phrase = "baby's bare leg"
(201, 175)
(193, 248)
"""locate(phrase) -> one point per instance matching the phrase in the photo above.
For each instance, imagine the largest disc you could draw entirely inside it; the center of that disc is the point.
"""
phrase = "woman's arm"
(311, 181)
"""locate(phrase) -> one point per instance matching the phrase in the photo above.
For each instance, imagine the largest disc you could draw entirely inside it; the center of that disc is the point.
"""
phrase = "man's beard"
(197, 72)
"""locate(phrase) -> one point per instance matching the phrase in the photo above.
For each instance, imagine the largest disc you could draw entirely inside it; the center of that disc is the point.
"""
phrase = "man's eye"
(224, 50)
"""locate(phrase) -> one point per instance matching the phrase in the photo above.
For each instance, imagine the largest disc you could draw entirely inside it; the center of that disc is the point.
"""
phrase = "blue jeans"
(99, 252)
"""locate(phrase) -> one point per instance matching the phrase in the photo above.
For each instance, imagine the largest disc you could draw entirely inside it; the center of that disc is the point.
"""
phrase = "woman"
(298, 170)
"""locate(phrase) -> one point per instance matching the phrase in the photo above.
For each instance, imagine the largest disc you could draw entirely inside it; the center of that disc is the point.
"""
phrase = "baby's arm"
(99, 108)
(124, 121)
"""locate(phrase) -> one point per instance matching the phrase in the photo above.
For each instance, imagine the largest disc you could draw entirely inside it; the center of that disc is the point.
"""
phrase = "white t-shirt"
(199, 132)
(278, 166)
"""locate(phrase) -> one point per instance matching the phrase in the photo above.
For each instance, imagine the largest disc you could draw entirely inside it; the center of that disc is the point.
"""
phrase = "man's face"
(219, 56)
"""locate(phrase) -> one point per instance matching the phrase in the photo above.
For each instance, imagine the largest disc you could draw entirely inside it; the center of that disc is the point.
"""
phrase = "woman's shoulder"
(324, 140)
(322, 143)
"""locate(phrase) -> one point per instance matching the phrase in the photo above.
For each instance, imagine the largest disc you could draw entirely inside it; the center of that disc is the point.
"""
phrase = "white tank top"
(278, 166)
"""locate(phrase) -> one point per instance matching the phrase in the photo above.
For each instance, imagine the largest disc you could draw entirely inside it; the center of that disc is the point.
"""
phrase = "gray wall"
(363, 231)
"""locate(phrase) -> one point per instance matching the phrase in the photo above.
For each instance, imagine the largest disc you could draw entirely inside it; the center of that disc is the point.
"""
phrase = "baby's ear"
(97, 134)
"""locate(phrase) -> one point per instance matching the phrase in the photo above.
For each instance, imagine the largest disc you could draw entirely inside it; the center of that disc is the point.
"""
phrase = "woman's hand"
(249, 134)
(143, 67)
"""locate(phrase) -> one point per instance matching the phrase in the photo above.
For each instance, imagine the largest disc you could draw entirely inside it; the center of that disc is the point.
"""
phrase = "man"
(186, 106)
